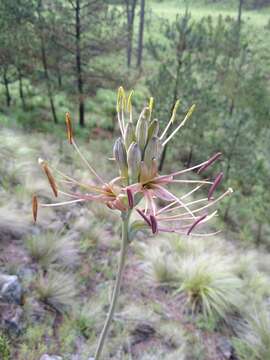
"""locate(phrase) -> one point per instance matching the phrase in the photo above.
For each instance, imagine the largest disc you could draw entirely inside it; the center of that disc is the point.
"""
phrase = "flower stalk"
(116, 290)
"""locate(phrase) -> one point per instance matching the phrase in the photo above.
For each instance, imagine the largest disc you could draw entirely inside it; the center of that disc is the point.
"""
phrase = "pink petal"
(162, 193)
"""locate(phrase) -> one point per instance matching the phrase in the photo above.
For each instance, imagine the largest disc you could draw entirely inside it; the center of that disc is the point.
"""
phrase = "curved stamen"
(229, 191)
(87, 163)
(176, 199)
(62, 203)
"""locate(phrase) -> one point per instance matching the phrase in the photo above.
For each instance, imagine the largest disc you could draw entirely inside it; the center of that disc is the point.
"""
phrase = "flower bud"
(153, 129)
(129, 135)
(134, 161)
(151, 151)
(142, 131)
(120, 155)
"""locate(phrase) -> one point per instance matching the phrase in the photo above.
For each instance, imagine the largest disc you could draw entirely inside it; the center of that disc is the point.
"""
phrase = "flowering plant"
(139, 186)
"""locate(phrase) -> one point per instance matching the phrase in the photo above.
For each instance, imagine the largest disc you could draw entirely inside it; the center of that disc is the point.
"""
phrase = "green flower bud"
(120, 155)
(153, 129)
(129, 135)
(152, 151)
(134, 158)
(142, 131)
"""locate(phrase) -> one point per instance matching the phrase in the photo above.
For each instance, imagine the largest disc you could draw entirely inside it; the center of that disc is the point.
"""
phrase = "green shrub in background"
(4, 348)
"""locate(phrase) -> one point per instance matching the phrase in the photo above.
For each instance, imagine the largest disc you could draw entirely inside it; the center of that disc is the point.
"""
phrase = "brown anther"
(69, 128)
(49, 176)
(34, 207)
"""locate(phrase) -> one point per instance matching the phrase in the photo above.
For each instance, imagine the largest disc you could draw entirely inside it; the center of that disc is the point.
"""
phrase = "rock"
(10, 289)
(50, 357)
(225, 347)
(12, 321)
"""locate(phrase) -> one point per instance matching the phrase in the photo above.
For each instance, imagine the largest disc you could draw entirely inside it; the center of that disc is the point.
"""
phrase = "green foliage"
(33, 345)
(5, 353)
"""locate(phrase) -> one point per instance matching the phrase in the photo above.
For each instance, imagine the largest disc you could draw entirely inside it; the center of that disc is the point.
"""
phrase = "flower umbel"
(139, 186)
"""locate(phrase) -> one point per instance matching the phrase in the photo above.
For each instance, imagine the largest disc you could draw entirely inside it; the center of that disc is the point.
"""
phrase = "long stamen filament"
(192, 182)
(177, 199)
(229, 191)
(188, 204)
(62, 203)
(181, 198)
(180, 125)
(87, 163)
(74, 181)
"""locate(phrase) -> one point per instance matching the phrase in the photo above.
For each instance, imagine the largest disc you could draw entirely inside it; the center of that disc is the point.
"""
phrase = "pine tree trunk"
(48, 81)
(259, 234)
(141, 33)
(175, 95)
(78, 64)
(130, 10)
(239, 15)
(7, 92)
(59, 76)
(21, 89)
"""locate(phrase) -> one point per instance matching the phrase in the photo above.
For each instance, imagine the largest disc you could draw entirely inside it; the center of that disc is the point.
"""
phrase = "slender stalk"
(116, 291)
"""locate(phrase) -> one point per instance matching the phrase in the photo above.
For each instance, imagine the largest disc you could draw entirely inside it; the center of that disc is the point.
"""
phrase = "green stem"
(116, 290)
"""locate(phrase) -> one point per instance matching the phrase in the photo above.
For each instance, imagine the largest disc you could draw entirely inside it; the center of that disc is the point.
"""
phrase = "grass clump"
(56, 289)
(210, 286)
(254, 342)
(48, 249)
(160, 266)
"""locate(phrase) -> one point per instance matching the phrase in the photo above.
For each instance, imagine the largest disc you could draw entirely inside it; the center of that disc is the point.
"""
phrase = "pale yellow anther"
(176, 105)
(190, 111)
(151, 105)
(121, 99)
(129, 103)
